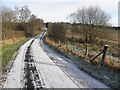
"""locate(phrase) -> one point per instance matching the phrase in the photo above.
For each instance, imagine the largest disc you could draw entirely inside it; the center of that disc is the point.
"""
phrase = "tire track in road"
(31, 76)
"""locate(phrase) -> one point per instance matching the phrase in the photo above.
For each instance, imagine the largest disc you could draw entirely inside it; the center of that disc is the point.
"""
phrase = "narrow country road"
(38, 66)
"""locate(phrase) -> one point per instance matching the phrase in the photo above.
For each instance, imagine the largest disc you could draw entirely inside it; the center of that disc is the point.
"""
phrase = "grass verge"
(8, 50)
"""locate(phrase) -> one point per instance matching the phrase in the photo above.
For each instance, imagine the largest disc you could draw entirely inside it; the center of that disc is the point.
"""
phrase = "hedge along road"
(37, 66)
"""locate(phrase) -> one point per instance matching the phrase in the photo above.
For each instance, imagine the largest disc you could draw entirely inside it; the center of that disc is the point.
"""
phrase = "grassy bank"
(78, 49)
(9, 49)
(105, 73)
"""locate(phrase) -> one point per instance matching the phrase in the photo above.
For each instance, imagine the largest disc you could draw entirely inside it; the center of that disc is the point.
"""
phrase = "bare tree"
(92, 19)
(8, 15)
(32, 17)
(72, 17)
(92, 16)
(35, 24)
(23, 13)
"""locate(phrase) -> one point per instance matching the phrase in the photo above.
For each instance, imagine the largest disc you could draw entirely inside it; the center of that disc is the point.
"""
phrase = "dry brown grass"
(109, 61)
(51, 42)
(11, 34)
(70, 34)
(114, 63)
(10, 41)
(112, 36)
(63, 47)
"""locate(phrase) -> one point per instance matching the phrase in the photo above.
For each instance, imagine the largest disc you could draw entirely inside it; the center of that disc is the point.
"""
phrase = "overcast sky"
(58, 10)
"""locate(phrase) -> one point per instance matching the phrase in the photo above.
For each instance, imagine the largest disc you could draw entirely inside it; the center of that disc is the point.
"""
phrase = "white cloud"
(57, 10)
(60, 1)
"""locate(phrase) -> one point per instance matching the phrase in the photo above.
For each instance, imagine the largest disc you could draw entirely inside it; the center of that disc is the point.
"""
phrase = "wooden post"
(104, 53)
(59, 44)
(87, 50)
(96, 56)
(104, 56)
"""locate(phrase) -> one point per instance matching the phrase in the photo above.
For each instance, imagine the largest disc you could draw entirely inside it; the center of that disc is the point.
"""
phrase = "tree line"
(20, 18)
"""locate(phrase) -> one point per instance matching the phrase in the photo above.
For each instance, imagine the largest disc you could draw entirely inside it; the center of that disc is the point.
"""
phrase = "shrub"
(56, 31)
(21, 26)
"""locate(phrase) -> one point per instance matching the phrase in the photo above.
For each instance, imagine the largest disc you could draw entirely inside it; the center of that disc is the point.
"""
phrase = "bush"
(21, 27)
(75, 28)
(56, 31)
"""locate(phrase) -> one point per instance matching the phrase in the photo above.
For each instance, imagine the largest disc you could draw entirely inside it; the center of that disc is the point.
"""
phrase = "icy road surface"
(38, 66)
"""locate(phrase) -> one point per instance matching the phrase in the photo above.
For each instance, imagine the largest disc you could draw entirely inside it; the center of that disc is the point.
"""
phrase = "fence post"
(104, 53)
(59, 44)
(87, 51)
